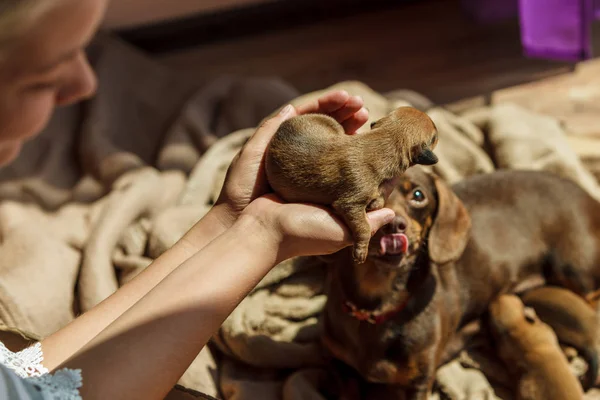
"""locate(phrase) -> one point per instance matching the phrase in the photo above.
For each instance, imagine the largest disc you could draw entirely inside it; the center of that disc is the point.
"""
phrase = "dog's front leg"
(418, 392)
(355, 216)
(421, 387)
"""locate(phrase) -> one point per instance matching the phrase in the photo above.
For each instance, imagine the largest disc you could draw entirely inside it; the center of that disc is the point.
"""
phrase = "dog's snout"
(398, 224)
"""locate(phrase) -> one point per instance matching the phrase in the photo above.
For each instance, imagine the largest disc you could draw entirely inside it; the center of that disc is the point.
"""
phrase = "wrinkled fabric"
(114, 182)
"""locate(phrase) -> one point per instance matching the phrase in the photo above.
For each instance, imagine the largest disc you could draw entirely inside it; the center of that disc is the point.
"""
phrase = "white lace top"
(23, 377)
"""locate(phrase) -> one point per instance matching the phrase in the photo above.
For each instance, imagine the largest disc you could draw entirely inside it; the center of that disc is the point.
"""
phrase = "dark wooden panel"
(429, 46)
(247, 20)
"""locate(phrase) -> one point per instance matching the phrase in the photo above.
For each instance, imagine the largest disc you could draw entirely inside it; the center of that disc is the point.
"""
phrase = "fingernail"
(385, 215)
(389, 216)
(380, 218)
(286, 111)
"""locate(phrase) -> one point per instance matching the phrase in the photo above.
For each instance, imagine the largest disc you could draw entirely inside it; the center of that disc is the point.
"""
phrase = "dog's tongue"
(395, 243)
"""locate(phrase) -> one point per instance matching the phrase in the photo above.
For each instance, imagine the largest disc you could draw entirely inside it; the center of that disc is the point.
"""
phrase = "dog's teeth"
(396, 243)
(382, 248)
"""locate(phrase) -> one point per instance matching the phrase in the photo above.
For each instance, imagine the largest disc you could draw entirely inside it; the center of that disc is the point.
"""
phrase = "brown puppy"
(573, 320)
(531, 352)
(310, 159)
(392, 317)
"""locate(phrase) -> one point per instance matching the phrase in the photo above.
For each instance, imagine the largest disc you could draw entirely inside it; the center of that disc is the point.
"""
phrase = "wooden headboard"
(126, 14)
(186, 23)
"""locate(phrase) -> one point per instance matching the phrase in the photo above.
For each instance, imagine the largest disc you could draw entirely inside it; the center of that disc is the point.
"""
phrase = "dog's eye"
(530, 315)
(418, 196)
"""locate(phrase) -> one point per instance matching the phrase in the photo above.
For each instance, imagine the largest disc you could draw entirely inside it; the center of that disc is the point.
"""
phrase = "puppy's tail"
(588, 380)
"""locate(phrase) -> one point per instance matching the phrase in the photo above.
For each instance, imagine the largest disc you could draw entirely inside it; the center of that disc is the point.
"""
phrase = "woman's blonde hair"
(17, 15)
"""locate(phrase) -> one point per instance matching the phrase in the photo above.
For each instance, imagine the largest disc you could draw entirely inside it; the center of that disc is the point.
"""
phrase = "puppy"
(392, 317)
(310, 159)
(531, 352)
(573, 320)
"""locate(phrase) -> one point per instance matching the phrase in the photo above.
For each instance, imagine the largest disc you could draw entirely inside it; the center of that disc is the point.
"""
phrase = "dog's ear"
(426, 157)
(451, 228)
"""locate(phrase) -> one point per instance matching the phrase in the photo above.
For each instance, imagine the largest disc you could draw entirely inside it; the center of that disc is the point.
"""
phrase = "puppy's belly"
(551, 379)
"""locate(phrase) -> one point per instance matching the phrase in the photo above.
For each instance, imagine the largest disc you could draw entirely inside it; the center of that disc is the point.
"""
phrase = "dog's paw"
(376, 204)
(360, 254)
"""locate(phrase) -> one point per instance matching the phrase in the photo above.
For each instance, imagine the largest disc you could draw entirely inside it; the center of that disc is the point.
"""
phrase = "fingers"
(245, 177)
(351, 107)
(326, 104)
(267, 129)
(319, 221)
(258, 142)
(379, 218)
(351, 125)
(347, 110)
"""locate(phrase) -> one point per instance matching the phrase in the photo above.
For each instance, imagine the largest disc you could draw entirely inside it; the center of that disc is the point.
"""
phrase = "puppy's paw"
(376, 204)
(360, 253)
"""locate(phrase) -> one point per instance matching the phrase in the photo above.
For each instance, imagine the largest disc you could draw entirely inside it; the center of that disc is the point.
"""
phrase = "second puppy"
(530, 350)
(573, 320)
(311, 159)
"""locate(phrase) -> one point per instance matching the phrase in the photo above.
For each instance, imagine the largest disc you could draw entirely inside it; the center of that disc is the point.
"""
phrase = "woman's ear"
(451, 228)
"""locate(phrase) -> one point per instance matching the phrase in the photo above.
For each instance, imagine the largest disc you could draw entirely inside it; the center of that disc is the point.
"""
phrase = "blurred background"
(445, 49)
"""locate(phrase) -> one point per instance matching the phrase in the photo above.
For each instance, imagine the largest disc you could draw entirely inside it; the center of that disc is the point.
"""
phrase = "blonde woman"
(138, 342)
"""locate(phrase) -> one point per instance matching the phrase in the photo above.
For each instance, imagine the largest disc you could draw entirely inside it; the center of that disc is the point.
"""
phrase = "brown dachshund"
(444, 258)
(311, 160)
(531, 352)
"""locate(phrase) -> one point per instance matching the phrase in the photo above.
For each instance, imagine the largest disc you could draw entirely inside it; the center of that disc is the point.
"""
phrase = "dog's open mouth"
(394, 244)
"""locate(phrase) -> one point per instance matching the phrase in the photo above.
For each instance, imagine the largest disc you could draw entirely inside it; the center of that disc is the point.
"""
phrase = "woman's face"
(46, 68)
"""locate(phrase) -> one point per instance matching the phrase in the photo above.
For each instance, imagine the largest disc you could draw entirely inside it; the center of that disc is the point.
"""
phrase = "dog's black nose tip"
(398, 224)
(426, 157)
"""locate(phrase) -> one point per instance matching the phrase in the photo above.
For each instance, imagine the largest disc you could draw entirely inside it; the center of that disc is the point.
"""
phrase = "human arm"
(244, 183)
(143, 353)
(65, 342)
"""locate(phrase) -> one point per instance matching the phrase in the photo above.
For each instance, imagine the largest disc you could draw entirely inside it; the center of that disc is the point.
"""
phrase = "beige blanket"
(275, 330)
(114, 182)
(90, 202)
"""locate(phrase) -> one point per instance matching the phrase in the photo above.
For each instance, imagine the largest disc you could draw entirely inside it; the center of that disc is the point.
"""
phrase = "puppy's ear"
(426, 157)
(451, 228)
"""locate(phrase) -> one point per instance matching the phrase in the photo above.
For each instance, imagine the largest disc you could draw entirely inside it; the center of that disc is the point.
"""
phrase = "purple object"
(558, 29)
(486, 11)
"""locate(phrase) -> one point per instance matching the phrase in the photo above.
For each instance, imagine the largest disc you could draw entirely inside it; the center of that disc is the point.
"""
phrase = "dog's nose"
(398, 224)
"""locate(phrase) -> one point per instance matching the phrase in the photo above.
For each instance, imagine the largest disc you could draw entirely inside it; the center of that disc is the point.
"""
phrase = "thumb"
(269, 126)
(379, 218)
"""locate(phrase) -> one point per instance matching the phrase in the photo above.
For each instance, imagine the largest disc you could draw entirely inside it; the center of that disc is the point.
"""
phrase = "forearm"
(67, 341)
(145, 351)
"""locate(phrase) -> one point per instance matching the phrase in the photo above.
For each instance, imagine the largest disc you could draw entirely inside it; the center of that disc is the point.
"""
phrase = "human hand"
(246, 180)
(297, 229)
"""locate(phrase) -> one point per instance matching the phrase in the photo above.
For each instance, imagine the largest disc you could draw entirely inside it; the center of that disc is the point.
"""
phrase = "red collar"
(372, 317)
